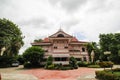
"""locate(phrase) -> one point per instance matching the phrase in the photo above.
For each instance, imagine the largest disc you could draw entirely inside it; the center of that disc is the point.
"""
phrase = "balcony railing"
(61, 62)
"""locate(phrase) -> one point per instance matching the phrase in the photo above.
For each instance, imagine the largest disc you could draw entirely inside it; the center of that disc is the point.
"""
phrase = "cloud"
(85, 19)
(69, 5)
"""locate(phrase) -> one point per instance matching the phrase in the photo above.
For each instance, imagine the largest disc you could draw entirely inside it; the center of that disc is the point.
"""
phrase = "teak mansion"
(61, 46)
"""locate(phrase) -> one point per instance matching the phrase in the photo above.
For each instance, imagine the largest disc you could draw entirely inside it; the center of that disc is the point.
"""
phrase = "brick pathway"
(18, 73)
(77, 74)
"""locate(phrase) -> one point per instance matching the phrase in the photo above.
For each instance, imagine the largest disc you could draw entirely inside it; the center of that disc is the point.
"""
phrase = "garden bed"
(108, 74)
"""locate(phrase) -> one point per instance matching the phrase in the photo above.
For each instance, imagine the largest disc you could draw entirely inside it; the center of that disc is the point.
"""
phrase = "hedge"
(82, 64)
(106, 64)
(107, 75)
(6, 61)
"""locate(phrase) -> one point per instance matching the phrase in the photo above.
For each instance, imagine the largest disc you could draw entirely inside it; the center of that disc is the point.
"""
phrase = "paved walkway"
(77, 74)
(17, 73)
(14, 76)
(14, 73)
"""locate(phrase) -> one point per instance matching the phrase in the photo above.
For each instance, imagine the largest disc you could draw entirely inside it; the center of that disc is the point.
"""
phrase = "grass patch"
(93, 66)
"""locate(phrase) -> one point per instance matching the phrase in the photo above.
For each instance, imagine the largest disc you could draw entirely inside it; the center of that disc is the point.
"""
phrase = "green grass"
(93, 66)
(115, 72)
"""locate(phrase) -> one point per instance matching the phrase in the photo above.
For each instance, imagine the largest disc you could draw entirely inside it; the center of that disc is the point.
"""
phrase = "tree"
(20, 59)
(34, 55)
(38, 40)
(111, 42)
(10, 37)
(89, 49)
(93, 47)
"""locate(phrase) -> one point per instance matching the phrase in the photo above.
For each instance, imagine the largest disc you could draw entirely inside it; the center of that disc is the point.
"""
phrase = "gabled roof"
(46, 40)
(74, 39)
(60, 33)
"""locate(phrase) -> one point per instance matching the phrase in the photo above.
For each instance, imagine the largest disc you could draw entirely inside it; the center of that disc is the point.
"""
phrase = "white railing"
(61, 62)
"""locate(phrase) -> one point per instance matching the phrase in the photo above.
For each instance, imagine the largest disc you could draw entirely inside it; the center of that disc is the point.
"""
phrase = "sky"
(84, 19)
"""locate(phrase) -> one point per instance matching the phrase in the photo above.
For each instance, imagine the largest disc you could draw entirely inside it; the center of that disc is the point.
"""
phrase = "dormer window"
(60, 35)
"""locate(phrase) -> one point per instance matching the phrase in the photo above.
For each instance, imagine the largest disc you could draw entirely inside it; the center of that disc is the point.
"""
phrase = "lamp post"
(2, 50)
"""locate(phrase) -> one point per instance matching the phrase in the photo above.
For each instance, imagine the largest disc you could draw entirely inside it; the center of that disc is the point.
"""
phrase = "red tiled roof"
(46, 40)
(74, 39)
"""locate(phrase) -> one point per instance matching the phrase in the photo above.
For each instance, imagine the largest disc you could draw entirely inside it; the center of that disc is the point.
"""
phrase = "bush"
(52, 66)
(20, 59)
(49, 61)
(106, 75)
(34, 55)
(27, 65)
(73, 63)
(117, 69)
(105, 64)
(66, 68)
(6, 61)
(82, 64)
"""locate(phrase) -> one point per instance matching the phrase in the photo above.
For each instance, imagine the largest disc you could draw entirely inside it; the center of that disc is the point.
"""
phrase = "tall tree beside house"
(93, 47)
(89, 49)
(10, 37)
(111, 42)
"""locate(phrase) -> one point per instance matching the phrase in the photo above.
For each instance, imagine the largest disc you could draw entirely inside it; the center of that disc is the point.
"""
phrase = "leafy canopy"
(111, 42)
(10, 37)
(34, 55)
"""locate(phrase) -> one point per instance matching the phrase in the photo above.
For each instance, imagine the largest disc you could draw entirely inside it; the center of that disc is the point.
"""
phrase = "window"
(83, 49)
(60, 58)
(74, 50)
(55, 47)
(60, 35)
(46, 50)
(84, 59)
(65, 47)
(57, 59)
(64, 59)
(78, 59)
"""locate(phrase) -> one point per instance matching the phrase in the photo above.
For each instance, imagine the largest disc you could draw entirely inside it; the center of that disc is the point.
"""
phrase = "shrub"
(6, 61)
(106, 75)
(20, 59)
(73, 63)
(66, 68)
(49, 61)
(34, 55)
(117, 69)
(106, 64)
(27, 65)
(52, 66)
(82, 64)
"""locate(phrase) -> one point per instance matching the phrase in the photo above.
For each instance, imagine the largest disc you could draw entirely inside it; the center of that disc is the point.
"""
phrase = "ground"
(18, 73)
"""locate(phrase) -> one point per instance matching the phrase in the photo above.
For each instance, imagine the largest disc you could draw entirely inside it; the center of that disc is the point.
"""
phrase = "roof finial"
(60, 28)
